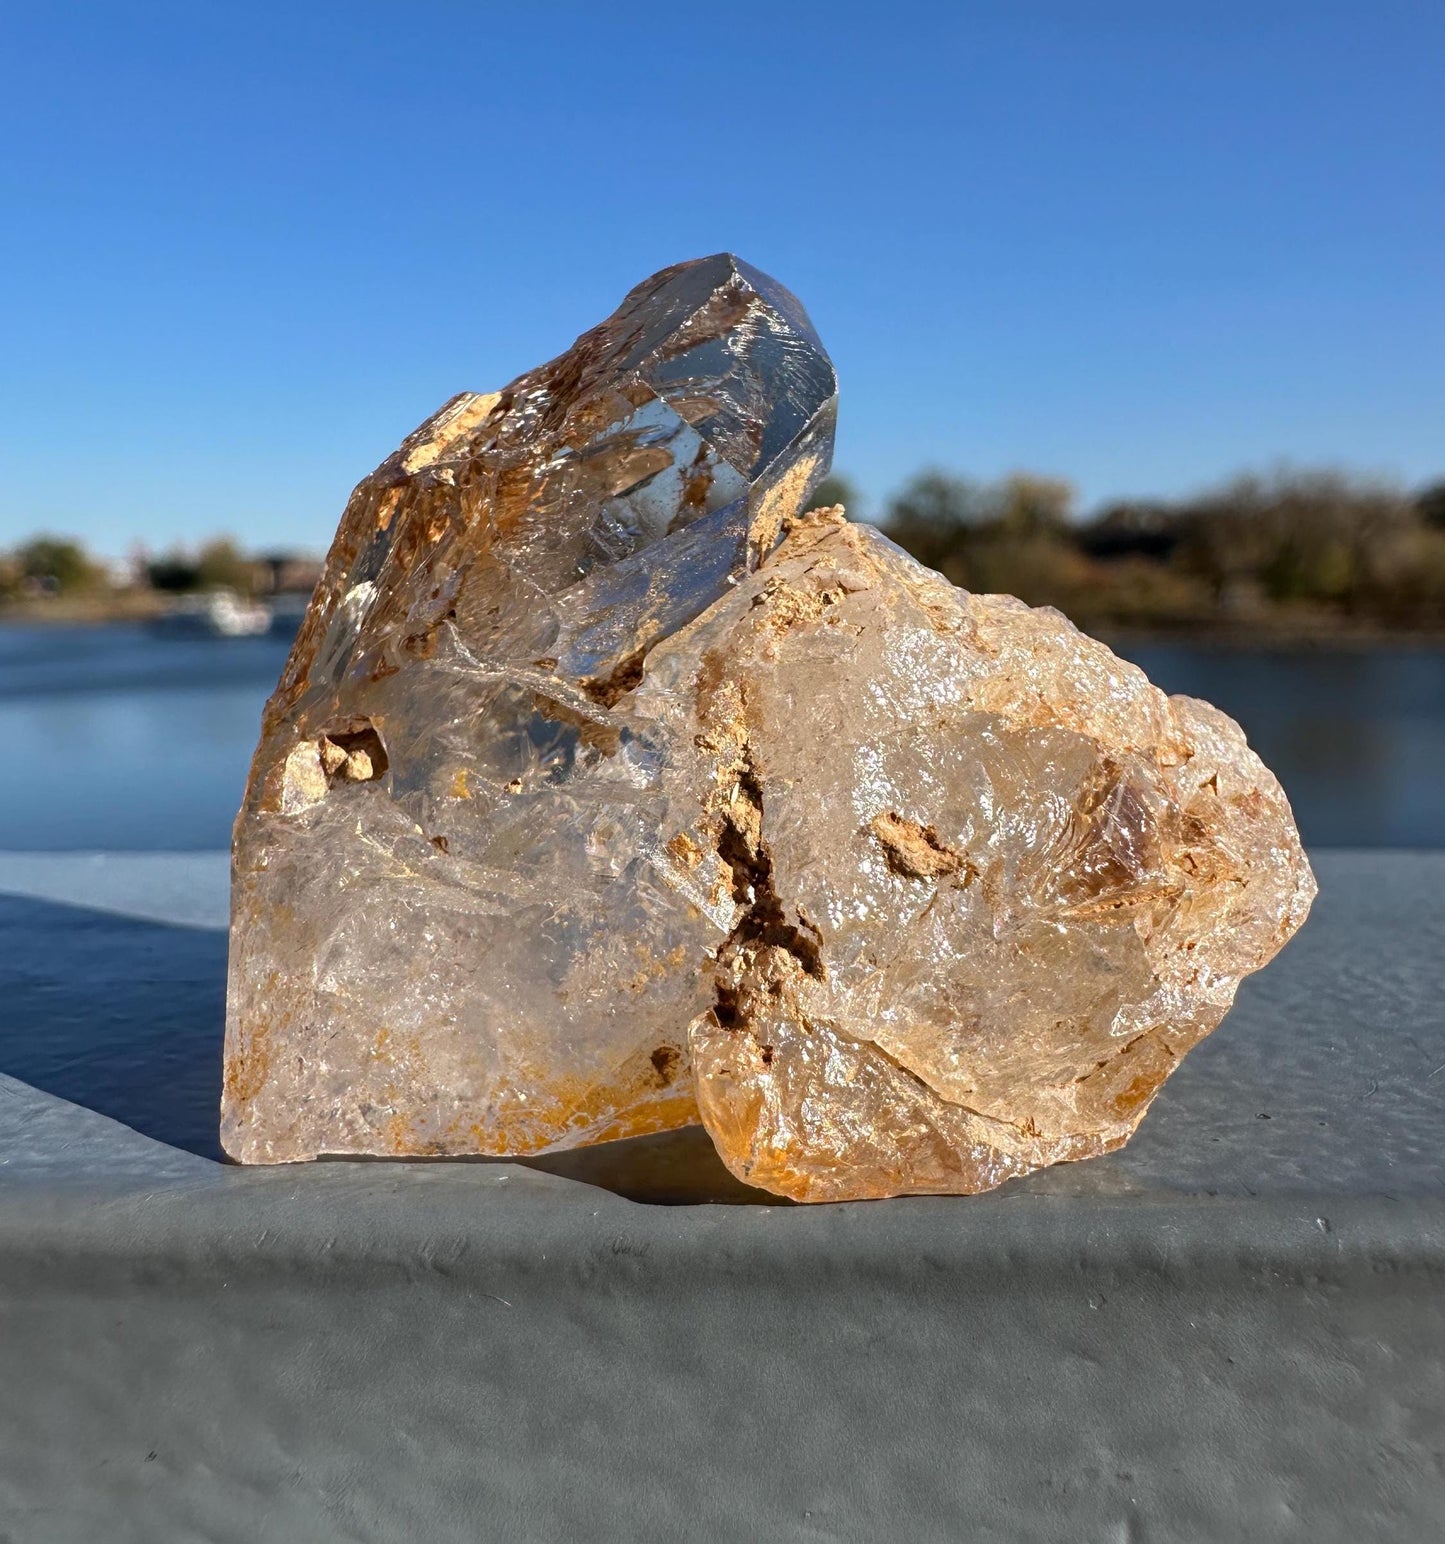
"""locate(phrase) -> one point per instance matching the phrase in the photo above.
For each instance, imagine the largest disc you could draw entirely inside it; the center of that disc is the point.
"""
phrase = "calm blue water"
(112, 738)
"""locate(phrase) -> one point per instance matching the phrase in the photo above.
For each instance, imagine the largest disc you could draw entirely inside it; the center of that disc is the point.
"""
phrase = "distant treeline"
(60, 565)
(1293, 551)
(1304, 551)
(60, 569)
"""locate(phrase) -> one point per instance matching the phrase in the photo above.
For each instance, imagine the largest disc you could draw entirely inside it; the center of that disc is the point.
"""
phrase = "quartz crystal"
(455, 927)
(990, 885)
(605, 792)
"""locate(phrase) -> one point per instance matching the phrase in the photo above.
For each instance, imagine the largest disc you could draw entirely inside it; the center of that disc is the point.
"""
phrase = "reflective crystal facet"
(604, 793)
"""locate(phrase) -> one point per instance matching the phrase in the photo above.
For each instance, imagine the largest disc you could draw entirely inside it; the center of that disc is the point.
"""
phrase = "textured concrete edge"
(79, 1191)
(510, 1222)
(1055, 1370)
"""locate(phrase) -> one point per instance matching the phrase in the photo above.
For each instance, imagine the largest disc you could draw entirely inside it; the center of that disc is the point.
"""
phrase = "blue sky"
(246, 248)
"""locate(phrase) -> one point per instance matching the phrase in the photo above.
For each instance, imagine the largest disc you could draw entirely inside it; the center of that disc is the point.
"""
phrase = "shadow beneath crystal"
(670, 1168)
(119, 1015)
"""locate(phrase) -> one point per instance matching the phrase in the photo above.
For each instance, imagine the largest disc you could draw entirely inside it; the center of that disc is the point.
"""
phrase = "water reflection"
(1357, 738)
(116, 739)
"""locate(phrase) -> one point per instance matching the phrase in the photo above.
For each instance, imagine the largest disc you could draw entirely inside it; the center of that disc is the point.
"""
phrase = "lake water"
(112, 738)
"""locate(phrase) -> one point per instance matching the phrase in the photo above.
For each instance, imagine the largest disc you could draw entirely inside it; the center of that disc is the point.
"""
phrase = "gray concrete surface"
(1234, 1329)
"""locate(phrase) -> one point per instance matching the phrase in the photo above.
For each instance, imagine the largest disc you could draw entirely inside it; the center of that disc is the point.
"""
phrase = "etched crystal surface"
(604, 793)
(990, 884)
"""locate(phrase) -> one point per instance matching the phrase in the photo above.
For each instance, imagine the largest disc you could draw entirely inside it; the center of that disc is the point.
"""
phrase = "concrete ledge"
(1235, 1328)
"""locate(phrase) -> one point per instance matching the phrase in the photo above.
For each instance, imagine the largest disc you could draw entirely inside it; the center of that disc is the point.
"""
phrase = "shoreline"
(81, 613)
(1254, 639)
(1254, 636)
